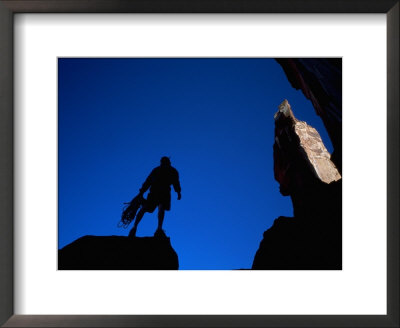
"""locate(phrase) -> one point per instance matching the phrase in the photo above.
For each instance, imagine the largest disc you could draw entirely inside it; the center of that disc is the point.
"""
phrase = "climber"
(159, 181)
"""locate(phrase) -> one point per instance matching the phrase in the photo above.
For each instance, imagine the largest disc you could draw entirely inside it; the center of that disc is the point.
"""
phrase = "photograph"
(199, 163)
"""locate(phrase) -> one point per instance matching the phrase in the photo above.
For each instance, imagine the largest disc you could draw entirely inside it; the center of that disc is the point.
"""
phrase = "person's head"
(165, 161)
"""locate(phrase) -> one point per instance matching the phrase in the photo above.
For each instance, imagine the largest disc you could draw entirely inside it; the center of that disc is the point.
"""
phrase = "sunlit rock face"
(312, 239)
(299, 153)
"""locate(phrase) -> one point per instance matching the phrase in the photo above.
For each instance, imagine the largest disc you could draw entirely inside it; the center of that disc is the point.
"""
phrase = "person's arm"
(176, 184)
(146, 185)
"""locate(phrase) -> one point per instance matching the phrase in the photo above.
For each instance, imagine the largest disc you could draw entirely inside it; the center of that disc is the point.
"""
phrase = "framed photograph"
(191, 108)
(205, 115)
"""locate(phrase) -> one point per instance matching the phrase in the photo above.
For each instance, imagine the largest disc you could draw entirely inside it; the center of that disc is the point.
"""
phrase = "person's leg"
(139, 216)
(161, 213)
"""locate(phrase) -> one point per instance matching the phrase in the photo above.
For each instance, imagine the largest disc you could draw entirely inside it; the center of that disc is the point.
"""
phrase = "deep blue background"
(213, 117)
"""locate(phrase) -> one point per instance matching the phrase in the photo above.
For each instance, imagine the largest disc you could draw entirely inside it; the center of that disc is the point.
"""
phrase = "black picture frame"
(10, 7)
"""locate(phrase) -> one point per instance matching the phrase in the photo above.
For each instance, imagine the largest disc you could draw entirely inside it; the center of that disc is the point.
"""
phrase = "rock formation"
(118, 253)
(302, 166)
(320, 80)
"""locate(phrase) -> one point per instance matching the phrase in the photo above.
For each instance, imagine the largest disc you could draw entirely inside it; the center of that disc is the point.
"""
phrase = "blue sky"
(213, 117)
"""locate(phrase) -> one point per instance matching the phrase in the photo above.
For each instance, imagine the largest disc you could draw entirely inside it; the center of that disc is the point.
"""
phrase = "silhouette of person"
(159, 181)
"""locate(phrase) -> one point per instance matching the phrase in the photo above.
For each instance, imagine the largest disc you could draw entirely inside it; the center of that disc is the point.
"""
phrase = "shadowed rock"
(309, 242)
(118, 253)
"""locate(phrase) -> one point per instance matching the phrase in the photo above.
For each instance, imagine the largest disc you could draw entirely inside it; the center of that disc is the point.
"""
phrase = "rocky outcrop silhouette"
(118, 253)
(320, 80)
(312, 239)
